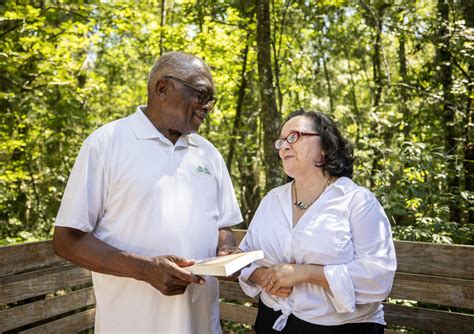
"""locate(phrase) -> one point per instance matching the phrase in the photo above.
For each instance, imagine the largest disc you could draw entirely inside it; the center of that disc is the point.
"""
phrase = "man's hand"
(226, 242)
(168, 276)
(227, 250)
(226, 245)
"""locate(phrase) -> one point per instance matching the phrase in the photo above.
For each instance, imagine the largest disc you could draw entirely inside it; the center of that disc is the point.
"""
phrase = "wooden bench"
(41, 292)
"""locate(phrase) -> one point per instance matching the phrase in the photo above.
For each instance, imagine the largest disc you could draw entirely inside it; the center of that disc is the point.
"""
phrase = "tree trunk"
(249, 168)
(403, 92)
(276, 47)
(269, 115)
(162, 24)
(468, 161)
(446, 79)
(326, 75)
(378, 80)
(377, 63)
(238, 108)
(357, 118)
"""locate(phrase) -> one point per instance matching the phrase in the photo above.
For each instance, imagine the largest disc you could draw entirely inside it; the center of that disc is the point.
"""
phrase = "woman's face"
(300, 157)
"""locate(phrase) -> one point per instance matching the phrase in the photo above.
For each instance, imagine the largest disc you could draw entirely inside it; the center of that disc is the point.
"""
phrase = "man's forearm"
(226, 243)
(87, 251)
(164, 273)
(226, 237)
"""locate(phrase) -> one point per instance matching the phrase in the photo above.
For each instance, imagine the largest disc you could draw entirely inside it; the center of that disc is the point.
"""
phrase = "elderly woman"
(329, 254)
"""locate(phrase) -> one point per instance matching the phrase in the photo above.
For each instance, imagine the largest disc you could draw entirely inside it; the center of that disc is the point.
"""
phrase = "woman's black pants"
(266, 317)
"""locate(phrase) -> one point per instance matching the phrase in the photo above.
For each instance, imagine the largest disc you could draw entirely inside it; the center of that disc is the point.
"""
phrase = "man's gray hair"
(177, 64)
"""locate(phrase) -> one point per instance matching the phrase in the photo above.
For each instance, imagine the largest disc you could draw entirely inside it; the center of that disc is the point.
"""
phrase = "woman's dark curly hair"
(338, 160)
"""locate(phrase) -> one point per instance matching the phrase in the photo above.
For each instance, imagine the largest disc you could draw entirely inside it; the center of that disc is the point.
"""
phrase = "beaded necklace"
(303, 206)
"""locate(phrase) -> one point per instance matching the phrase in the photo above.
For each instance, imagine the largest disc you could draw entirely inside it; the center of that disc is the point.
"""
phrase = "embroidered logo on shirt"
(202, 170)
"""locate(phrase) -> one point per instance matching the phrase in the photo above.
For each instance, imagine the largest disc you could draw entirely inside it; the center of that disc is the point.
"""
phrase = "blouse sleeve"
(368, 277)
(248, 287)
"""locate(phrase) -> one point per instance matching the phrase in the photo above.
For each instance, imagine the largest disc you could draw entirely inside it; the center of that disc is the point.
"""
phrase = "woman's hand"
(287, 275)
(263, 277)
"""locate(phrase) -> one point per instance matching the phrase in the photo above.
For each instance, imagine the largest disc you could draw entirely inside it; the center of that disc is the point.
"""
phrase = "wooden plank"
(413, 257)
(426, 258)
(23, 286)
(231, 290)
(238, 313)
(15, 317)
(431, 320)
(435, 290)
(23, 257)
(435, 259)
(70, 324)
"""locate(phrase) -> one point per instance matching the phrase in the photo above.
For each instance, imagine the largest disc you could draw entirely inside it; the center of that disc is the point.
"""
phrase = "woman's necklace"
(303, 206)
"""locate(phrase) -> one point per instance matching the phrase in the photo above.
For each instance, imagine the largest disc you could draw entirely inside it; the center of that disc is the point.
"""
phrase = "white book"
(224, 265)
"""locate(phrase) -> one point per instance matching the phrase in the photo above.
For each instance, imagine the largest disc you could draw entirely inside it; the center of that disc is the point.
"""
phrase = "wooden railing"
(41, 292)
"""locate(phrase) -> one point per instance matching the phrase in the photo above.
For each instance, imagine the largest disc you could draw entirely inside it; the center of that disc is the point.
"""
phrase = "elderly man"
(146, 195)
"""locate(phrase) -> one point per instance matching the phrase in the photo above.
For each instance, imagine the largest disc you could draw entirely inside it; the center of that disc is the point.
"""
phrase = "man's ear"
(161, 88)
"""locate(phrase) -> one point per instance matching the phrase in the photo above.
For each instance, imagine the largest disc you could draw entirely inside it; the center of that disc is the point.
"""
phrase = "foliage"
(229, 327)
(396, 75)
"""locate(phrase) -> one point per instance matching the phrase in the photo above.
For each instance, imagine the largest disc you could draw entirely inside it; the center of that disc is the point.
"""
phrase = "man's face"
(188, 101)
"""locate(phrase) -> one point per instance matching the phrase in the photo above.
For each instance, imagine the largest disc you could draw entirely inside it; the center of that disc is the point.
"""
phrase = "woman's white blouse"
(347, 231)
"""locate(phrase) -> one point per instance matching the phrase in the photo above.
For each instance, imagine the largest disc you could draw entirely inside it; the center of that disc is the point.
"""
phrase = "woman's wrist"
(255, 276)
(304, 273)
(313, 274)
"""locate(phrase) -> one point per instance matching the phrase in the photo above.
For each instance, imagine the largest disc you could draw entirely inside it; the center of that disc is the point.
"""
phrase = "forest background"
(397, 76)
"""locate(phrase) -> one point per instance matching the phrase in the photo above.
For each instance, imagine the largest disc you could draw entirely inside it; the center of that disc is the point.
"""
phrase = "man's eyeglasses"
(204, 96)
(292, 138)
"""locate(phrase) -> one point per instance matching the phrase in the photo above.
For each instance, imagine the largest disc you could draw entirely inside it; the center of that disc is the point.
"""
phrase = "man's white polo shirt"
(135, 190)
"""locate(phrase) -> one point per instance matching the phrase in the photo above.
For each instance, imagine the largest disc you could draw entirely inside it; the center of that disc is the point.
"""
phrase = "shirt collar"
(143, 128)
(190, 139)
(344, 184)
(283, 193)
